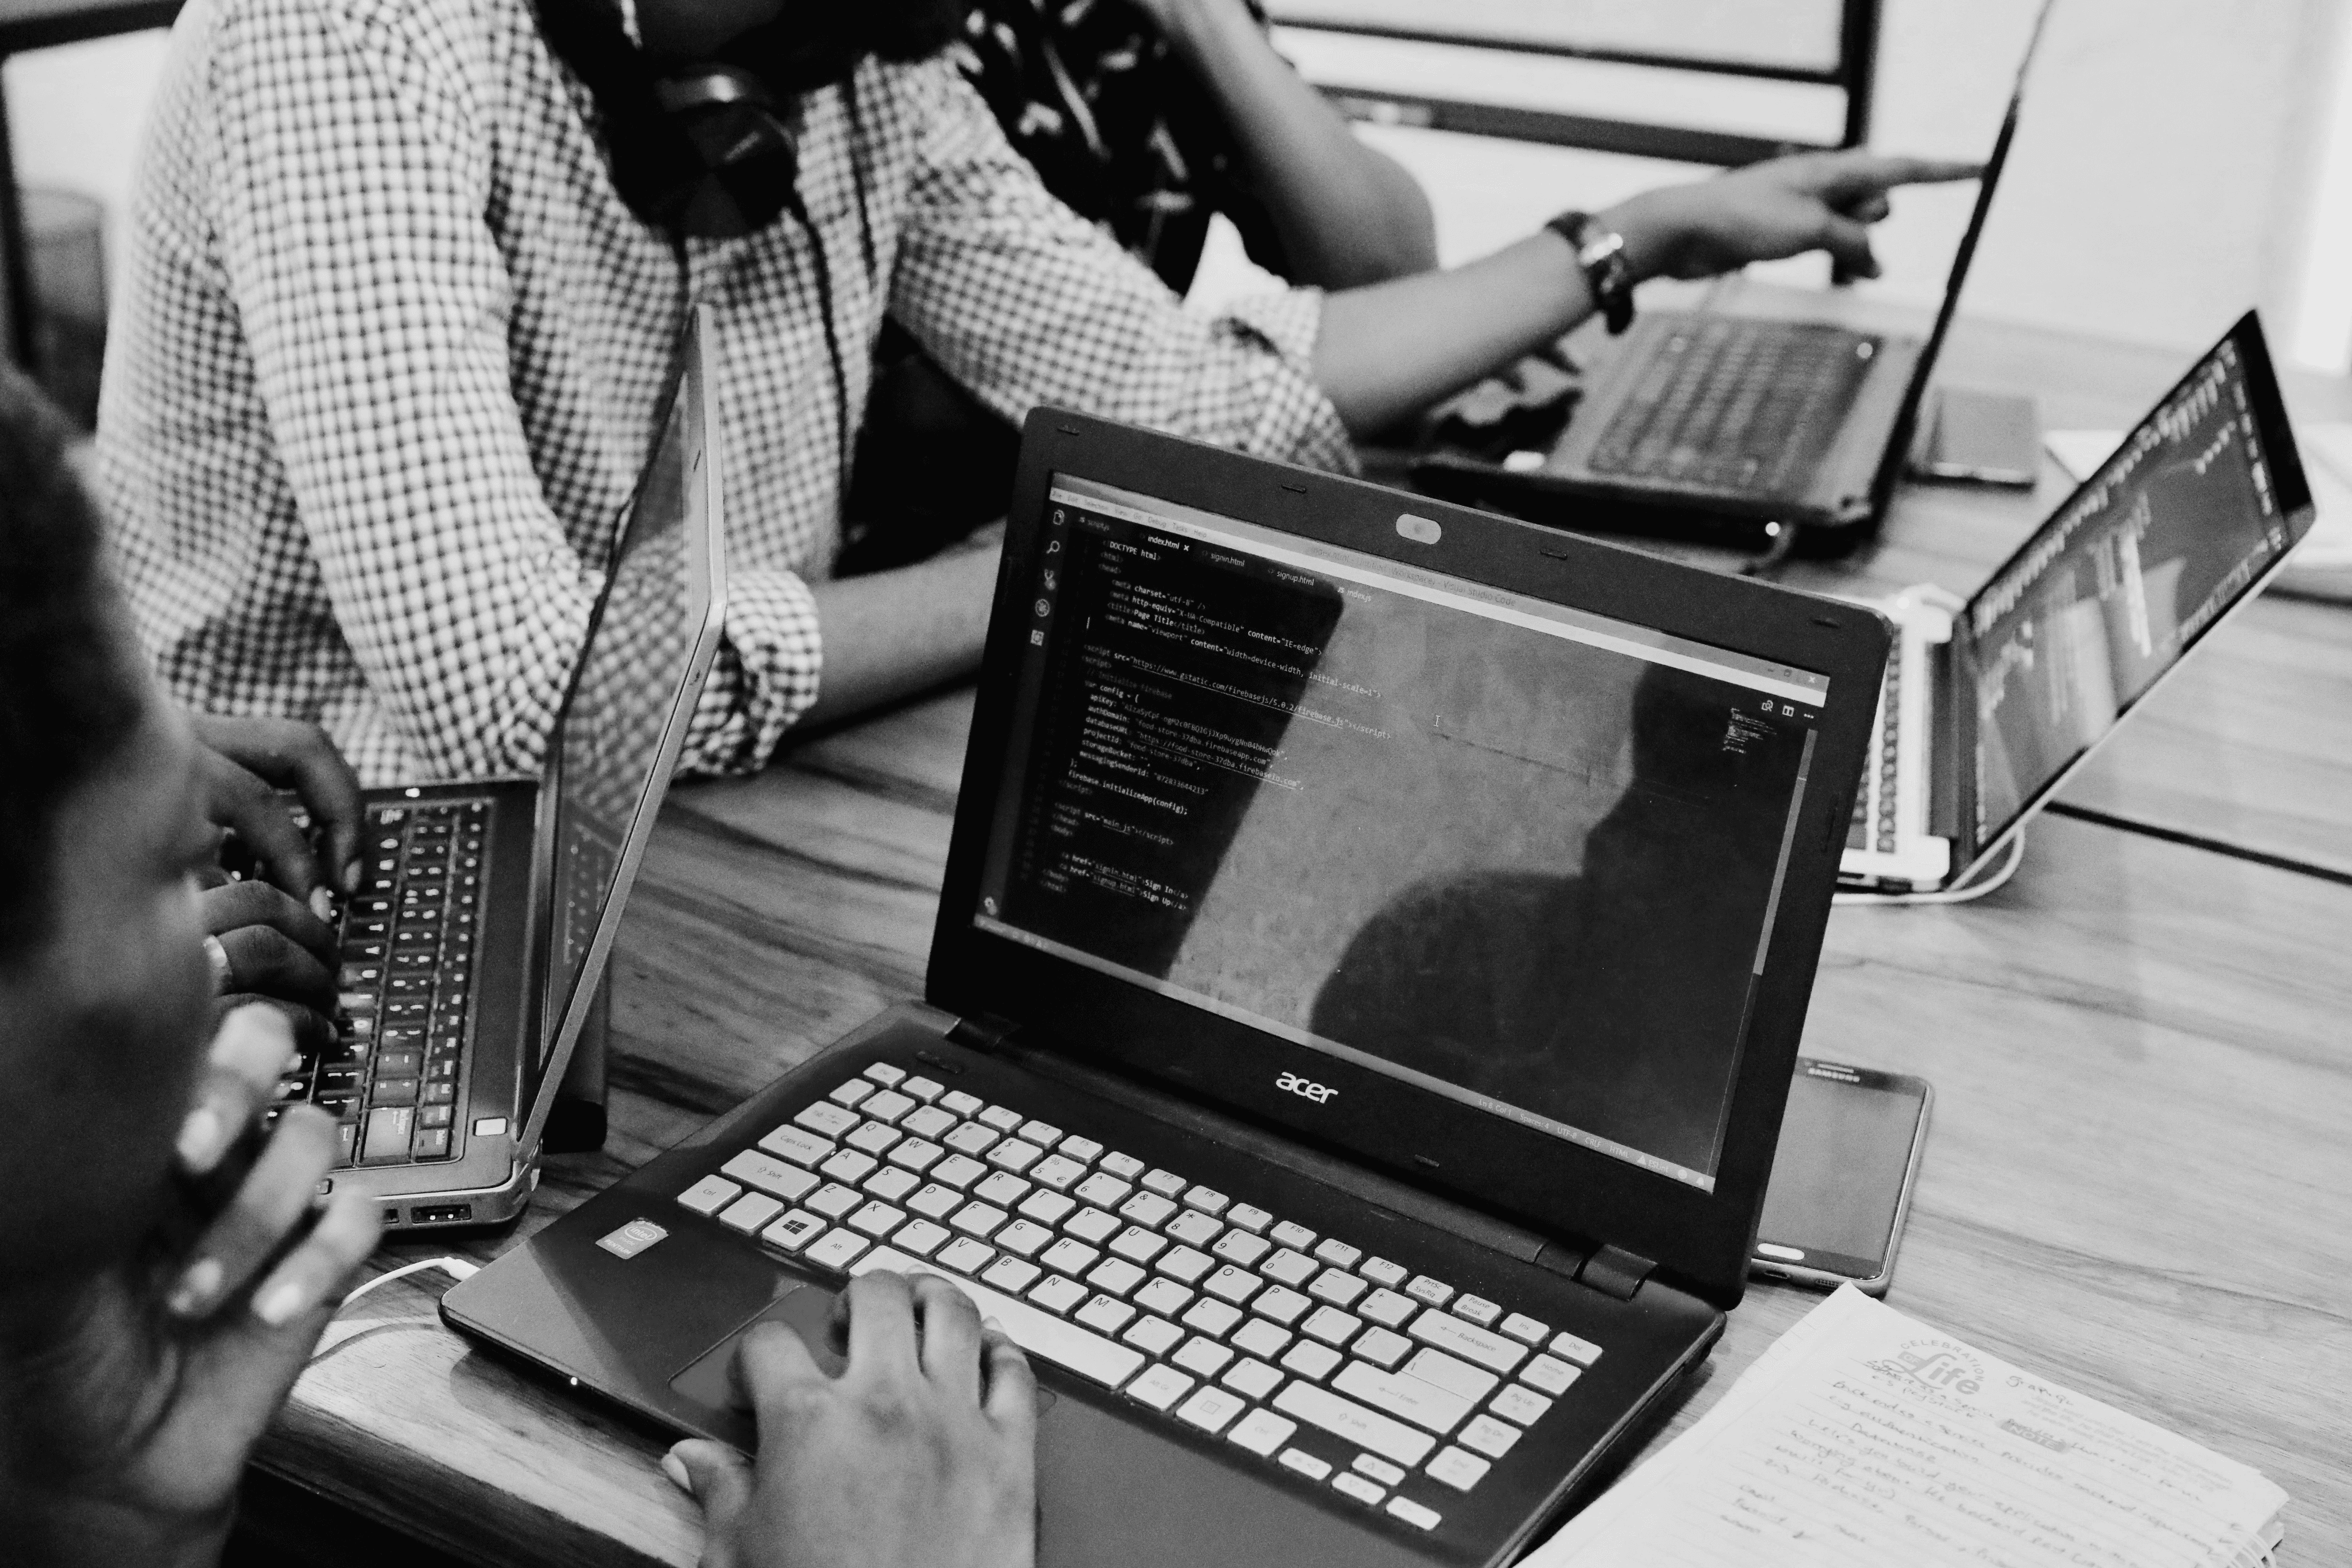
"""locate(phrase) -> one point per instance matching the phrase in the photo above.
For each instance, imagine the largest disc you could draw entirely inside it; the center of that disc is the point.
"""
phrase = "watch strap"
(1601, 254)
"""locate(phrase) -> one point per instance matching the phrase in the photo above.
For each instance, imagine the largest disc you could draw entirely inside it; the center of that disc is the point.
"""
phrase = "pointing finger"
(1847, 178)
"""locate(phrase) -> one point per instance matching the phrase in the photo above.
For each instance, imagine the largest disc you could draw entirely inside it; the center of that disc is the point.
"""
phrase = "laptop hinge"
(1562, 1259)
(983, 1032)
(1616, 1271)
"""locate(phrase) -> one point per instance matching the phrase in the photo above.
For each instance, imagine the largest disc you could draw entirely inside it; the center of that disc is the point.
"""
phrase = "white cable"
(456, 1268)
(1964, 893)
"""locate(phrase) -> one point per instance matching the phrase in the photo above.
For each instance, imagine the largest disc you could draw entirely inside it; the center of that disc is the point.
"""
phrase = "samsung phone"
(1842, 1181)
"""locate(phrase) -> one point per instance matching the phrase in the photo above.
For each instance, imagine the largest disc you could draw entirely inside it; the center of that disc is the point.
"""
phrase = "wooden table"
(2138, 1180)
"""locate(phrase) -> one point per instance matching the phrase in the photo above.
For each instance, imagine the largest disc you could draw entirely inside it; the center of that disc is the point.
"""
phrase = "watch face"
(1600, 248)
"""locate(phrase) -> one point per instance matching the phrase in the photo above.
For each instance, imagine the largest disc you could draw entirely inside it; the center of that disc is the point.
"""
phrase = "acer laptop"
(473, 953)
(1369, 973)
(1992, 705)
(1734, 428)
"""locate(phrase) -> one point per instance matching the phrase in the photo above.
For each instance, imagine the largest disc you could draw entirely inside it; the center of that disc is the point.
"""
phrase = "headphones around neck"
(705, 150)
(748, 155)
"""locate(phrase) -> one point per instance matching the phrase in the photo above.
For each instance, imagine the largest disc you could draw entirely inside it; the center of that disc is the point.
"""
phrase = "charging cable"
(1965, 893)
(456, 1268)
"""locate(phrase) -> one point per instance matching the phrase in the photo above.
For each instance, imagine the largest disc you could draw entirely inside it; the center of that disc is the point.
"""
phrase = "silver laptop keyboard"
(1873, 804)
(1210, 1311)
(390, 1076)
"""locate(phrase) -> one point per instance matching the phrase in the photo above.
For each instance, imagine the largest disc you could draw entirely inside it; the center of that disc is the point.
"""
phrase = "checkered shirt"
(386, 366)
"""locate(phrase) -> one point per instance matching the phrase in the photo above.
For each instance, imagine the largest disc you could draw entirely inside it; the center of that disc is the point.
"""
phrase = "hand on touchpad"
(817, 1316)
(807, 1310)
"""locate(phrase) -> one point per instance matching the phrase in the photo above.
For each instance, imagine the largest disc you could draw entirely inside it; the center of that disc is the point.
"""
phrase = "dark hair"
(67, 702)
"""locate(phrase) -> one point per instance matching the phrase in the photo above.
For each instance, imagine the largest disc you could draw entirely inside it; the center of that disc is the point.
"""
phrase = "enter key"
(1406, 1397)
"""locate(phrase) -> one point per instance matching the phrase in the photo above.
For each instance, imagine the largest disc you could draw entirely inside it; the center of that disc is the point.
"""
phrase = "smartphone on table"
(1842, 1179)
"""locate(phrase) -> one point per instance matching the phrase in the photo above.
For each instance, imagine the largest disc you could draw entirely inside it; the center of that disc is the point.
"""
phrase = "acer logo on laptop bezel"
(1306, 1089)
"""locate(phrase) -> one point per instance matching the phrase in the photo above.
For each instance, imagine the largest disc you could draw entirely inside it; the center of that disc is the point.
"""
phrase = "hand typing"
(243, 762)
(920, 1455)
(275, 940)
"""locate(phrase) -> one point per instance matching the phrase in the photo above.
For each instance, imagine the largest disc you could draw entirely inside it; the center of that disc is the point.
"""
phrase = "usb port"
(441, 1214)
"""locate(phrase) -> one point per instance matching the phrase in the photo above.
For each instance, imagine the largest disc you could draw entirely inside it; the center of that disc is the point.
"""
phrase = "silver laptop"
(474, 952)
(1992, 704)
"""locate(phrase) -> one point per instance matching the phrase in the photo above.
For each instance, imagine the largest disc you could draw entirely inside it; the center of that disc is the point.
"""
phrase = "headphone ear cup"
(739, 136)
(750, 156)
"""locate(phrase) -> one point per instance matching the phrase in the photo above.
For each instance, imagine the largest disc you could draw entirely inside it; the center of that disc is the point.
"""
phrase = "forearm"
(1347, 215)
(894, 634)
(1387, 352)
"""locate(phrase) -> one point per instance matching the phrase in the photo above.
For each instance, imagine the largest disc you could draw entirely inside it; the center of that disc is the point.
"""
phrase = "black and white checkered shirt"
(388, 359)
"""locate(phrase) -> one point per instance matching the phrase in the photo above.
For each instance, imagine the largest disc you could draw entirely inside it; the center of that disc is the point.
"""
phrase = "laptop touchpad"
(710, 1379)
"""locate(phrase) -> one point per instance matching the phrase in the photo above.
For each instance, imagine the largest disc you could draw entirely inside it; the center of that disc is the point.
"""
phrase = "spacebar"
(1039, 1332)
(1345, 1419)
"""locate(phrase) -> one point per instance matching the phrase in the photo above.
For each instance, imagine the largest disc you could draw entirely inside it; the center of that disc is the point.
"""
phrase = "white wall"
(2163, 179)
(76, 113)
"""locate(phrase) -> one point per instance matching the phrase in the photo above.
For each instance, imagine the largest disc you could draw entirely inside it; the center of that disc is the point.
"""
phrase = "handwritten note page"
(1866, 1438)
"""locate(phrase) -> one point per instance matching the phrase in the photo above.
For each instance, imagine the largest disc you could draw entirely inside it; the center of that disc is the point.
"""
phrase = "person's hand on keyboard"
(243, 764)
(148, 1387)
(272, 936)
(920, 1455)
(266, 947)
(1814, 201)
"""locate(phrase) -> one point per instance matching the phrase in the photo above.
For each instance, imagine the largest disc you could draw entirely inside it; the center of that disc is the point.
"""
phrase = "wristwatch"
(1602, 254)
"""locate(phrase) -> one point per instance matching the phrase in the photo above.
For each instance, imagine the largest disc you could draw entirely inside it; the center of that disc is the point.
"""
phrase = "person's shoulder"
(393, 32)
(928, 82)
(930, 99)
(433, 58)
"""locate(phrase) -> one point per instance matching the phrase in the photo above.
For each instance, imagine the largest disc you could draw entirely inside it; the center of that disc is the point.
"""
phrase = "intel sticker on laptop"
(632, 1239)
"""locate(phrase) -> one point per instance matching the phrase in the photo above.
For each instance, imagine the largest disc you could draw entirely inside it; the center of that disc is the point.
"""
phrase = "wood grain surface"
(2138, 1180)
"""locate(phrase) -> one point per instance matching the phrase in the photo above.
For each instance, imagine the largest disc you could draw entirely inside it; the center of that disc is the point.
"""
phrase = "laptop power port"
(441, 1214)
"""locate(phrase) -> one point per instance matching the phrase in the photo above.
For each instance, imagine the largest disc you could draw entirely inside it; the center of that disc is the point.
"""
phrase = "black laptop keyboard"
(390, 1076)
(1874, 803)
(1731, 403)
(1213, 1313)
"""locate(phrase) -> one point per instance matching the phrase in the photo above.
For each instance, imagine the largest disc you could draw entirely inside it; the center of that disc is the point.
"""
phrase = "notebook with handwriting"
(1865, 1438)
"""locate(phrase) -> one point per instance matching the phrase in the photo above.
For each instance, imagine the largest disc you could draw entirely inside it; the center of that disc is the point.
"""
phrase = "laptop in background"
(1374, 944)
(1992, 704)
(1735, 428)
(473, 953)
